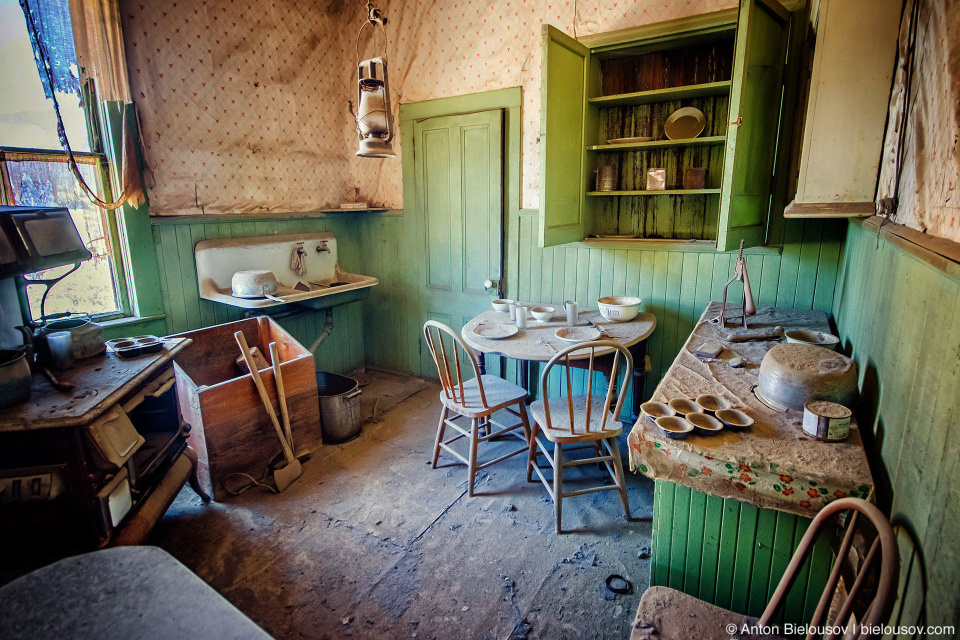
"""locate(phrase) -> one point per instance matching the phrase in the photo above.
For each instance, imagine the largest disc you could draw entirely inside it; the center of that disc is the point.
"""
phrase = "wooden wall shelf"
(661, 192)
(664, 95)
(706, 141)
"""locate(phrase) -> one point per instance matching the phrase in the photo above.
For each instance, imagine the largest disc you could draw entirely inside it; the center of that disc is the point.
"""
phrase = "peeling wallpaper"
(928, 185)
(245, 105)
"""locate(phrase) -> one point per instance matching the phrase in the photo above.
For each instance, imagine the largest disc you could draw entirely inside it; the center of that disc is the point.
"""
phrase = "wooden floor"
(372, 543)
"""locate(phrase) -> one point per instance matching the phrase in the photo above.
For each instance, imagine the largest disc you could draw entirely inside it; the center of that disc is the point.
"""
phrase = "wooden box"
(230, 428)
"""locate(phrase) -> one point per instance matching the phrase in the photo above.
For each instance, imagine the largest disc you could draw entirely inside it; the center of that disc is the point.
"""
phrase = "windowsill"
(130, 320)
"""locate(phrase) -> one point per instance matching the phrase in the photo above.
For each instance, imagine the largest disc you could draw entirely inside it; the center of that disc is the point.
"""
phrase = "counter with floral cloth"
(773, 464)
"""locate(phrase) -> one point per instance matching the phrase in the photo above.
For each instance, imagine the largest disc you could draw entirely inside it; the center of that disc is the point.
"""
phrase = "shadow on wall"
(911, 606)
(872, 430)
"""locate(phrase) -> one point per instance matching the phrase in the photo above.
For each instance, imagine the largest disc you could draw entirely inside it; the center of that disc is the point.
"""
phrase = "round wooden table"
(538, 342)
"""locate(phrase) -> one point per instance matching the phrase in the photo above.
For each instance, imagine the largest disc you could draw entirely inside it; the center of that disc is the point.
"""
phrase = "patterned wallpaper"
(928, 186)
(245, 105)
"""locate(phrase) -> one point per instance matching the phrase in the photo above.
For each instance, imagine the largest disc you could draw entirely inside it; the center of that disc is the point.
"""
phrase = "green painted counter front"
(733, 554)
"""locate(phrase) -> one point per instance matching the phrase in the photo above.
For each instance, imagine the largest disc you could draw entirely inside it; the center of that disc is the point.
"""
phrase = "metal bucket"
(339, 407)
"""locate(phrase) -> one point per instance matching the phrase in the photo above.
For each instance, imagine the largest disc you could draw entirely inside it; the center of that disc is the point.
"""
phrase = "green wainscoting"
(897, 317)
(675, 284)
(175, 240)
(733, 554)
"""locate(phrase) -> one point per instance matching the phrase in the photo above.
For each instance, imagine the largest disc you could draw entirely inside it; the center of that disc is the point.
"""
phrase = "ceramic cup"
(521, 317)
(61, 349)
(573, 318)
(513, 311)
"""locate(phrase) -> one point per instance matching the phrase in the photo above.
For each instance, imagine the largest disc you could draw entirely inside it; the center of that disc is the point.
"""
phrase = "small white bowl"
(503, 306)
(711, 403)
(619, 308)
(684, 406)
(543, 314)
(674, 427)
(815, 338)
(654, 410)
(253, 284)
(704, 425)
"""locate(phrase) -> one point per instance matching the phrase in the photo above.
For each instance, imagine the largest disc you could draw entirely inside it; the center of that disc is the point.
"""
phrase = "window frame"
(102, 167)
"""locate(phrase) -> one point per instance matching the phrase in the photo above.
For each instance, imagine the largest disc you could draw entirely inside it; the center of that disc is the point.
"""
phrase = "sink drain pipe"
(324, 333)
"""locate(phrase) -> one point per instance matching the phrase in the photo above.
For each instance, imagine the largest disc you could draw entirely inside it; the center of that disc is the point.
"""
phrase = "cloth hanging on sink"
(298, 261)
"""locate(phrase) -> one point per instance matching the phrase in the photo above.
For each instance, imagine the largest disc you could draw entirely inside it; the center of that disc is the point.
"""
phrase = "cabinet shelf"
(652, 192)
(663, 95)
(706, 141)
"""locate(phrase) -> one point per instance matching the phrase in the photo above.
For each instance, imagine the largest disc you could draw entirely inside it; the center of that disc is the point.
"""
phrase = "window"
(34, 168)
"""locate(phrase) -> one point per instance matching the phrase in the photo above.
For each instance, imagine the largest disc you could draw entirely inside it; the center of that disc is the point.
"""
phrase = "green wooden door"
(762, 32)
(458, 168)
(565, 66)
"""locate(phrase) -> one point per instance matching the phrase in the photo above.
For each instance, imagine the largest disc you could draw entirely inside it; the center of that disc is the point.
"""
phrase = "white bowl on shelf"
(619, 308)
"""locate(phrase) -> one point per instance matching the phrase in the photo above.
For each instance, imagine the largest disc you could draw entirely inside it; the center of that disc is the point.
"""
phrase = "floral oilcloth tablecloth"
(773, 464)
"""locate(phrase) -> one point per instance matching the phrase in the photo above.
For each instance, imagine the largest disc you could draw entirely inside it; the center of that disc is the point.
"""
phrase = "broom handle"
(258, 382)
(281, 393)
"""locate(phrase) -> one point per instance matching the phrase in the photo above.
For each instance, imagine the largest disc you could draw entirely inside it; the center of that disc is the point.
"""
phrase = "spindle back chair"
(474, 398)
(586, 418)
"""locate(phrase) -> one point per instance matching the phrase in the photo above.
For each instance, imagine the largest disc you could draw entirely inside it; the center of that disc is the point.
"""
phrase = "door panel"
(564, 69)
(458, 168)
(762, 35)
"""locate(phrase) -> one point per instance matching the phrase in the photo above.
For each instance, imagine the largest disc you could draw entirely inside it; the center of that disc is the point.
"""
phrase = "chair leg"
(441, 428)
(472, 466)
(532, 453)
(558, 481)
(621, 480)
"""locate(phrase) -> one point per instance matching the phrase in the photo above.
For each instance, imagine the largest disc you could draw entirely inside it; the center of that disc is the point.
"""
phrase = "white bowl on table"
(619, 308)
(503, 306)
(543, 313)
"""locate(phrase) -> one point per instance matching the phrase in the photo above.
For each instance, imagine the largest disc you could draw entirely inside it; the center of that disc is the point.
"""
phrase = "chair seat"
(667, 614)
(498, 392)
(559, 430)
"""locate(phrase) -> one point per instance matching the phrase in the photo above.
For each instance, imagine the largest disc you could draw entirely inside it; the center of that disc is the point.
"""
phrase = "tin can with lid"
(826, 420)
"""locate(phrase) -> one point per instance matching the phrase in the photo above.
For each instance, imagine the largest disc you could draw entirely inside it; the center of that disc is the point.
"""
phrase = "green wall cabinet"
(604, 101)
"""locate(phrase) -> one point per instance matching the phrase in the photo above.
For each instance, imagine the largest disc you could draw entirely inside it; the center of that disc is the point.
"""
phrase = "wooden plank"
(695, 536)
(663, 506)
(678, 546)
(783, 547)
(653, 192)
(830, 210)
(706, 141)
(762, 561)
(663, 95)
(710, 553)
(809, 257)
(727, 563)
(746, 544)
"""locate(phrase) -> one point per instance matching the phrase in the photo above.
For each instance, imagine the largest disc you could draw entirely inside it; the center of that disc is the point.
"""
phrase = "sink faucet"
(322, 247)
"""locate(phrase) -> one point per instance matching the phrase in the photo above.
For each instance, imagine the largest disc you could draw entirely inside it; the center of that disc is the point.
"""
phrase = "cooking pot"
(85, 336)
(253, 284)
(792, 375)
(15, 378)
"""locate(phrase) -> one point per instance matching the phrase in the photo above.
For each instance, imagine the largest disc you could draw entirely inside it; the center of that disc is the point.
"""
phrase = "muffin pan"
(136, 346)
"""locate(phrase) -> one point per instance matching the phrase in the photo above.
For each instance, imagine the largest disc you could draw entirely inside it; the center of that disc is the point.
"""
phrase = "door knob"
(491, 285)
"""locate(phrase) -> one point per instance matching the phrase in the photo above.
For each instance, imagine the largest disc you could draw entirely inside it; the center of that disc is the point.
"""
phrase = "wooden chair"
(476, 399)
(667, 614)
(580, 419)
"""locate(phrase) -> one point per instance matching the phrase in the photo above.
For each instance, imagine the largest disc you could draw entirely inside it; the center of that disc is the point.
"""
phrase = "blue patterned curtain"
(52, 21)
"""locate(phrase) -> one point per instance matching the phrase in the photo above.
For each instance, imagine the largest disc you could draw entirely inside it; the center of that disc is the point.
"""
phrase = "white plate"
(629, 140)
(578, 334)
(498, 332)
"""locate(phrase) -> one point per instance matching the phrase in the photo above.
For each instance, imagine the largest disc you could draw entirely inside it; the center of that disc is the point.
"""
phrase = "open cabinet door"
(564, 67)
(762, 34)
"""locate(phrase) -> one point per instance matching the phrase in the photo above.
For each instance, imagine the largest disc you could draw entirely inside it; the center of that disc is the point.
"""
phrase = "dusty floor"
(372, 543)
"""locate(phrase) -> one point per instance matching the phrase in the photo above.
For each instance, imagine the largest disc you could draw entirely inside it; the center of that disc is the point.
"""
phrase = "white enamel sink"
(218, 260)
